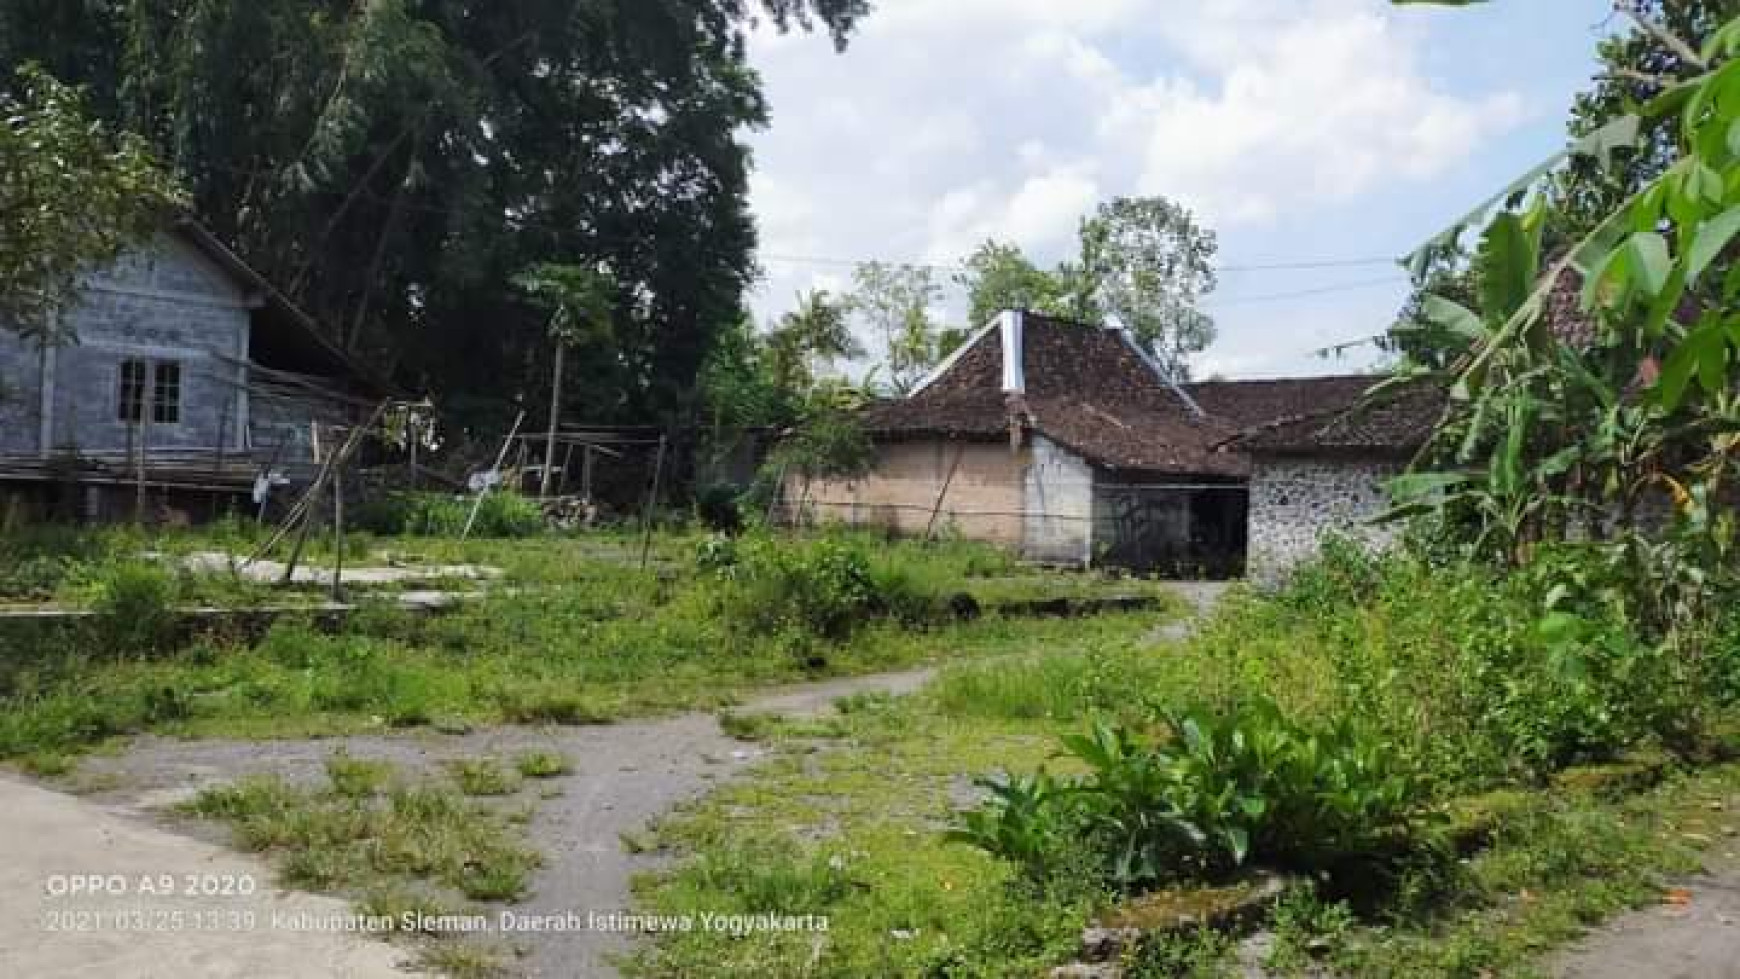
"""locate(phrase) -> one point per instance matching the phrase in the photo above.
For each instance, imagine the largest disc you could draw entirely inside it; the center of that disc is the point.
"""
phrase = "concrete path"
(150, 916)
(1694, 936)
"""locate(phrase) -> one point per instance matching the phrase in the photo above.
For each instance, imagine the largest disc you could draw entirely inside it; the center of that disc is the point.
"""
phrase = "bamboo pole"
(646, 511)
(303, 506)
(338, 537)
(500, 457)
(139, 471)
(935, 511)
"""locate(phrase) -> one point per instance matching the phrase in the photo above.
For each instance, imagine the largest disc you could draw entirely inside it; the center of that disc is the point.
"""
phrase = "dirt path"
(626, 775)
(1696, 939)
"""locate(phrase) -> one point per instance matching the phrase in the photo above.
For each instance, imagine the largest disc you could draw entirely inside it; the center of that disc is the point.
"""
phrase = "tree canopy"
(395, 164)
(71, 195)
(1144, 264)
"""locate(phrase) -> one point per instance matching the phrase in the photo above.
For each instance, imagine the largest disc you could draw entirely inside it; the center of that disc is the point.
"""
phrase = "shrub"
(824, 587)
(1220, 791)
(718, 510)
(501, 514)
(821, 588)
(135, 610)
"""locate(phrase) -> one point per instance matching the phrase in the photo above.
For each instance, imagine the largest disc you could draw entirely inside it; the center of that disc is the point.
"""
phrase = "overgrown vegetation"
(576, 633)
(395, 843)
(1354, 727)
(435, 515)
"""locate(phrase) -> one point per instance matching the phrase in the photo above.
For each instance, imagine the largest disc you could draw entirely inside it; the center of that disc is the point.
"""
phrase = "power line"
(1301, 265)
(1299, 293)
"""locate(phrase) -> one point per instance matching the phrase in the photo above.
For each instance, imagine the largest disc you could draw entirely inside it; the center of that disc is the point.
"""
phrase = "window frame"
(163, 410)
(132, 378)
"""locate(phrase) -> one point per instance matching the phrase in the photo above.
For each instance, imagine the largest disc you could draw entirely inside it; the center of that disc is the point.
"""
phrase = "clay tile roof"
(1091, 391)
(1386, 423)
(1086, 388)
(1251, 403)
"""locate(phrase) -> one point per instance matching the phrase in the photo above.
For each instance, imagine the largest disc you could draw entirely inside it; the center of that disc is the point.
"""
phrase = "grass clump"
(365, 834)
(357, 777)
(484, 776)
(542, 764)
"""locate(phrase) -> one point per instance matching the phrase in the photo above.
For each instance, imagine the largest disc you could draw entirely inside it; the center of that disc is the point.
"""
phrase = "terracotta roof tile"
(1091, 391)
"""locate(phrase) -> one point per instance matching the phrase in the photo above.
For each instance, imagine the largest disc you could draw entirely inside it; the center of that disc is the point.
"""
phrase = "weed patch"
(363, 833)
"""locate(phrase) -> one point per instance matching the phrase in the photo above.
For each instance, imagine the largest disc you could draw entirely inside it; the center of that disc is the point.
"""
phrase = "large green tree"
(1636, 66)
(72, 195)
(394, 164)
(1144, 264)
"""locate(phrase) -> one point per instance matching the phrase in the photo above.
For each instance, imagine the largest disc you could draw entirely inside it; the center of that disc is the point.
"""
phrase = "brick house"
(1069, 444)
(184, 363)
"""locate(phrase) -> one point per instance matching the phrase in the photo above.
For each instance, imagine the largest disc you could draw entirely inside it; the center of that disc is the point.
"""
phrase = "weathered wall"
(1058, 496)
(1295, 501)
(162, 302)
(20, 393)
(984, 501)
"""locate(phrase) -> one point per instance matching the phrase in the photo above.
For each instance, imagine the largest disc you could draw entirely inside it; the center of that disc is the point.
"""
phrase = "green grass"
(589, 640)
(368, 833)
(856, 834)
(542, 764)
(484, 776)
(856, 831)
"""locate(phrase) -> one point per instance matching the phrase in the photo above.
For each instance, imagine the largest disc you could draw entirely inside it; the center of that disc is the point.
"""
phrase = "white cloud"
(946, 123)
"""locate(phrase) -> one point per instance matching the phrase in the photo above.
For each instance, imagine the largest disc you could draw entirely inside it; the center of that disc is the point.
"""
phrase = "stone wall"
(1296, 500)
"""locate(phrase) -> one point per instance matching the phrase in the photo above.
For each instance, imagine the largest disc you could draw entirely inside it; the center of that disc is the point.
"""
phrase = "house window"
(130, 406)
(166, 394)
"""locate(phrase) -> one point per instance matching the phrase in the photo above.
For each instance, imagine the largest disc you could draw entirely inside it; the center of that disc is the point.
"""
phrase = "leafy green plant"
(821, 588)
(135, 609)
(1025, 820)
(1220, 791)
(501, 514)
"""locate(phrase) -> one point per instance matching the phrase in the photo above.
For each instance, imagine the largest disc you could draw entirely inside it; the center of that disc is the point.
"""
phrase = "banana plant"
(1537, 432)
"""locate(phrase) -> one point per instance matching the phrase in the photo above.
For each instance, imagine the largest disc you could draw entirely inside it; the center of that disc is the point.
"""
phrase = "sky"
(1301, 131)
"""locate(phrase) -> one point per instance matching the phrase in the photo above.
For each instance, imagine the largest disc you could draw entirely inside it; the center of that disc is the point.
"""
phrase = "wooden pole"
(586, 475)
(301, 536)
(646, 511)
(139, 472)
(500, 457)
(310, 498)
(562, 480)
(555, 416)
(338, 536)
(778, 491)
(935, 511)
